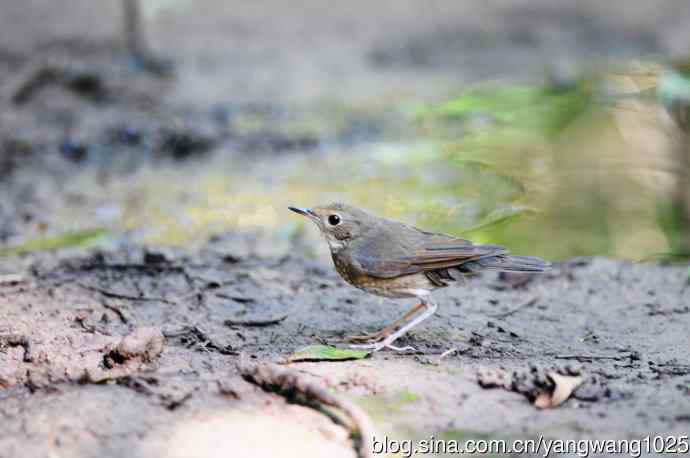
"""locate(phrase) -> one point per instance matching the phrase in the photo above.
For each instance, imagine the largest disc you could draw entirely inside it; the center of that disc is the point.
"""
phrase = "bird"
(391, 259)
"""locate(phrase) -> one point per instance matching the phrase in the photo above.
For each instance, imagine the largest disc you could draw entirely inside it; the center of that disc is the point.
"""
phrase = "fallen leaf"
(564, 385)
(543, 400)
(255, 323)
(326, 353)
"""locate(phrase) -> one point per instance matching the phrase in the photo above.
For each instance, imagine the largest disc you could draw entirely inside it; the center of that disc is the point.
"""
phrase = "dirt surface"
(134, 350)
(621, 326)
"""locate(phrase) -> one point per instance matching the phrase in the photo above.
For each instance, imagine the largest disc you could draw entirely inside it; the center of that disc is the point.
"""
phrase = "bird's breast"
(344, 267)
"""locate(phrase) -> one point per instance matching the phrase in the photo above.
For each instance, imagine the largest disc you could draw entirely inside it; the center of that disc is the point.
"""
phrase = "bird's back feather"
(395, 249)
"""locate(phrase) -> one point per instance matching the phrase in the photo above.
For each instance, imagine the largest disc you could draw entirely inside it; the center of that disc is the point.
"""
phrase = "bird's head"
(340, 224)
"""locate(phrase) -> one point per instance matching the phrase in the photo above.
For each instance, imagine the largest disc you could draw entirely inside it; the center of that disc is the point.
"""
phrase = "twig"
(81, 319)
(435, 361)
(295, 387)
(507, 313)
(450, 351)
(176, 403)
(194, 332)
(588, 357)
(118, 311)
(86, 267)
(255, 323)
(138, 383)
(670, 368)
(18, 340)
(185, 331)
(114, 295)
(37, 77)
(234, 297)
(211, 283)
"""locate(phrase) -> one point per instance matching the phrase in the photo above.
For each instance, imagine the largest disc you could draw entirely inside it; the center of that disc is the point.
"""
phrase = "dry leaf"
(564, 385)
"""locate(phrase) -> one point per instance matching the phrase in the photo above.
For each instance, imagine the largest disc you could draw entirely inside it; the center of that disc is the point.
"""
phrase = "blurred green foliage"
(84, 238)
(508, 130)
(588, 186)
(534, 110)
(554, 170)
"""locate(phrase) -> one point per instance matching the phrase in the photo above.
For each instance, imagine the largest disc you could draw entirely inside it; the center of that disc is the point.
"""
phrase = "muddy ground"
(82, 125)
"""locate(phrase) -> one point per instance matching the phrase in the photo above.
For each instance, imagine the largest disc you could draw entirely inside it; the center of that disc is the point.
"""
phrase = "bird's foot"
(388, 331)
(386, 336)
(380, 345)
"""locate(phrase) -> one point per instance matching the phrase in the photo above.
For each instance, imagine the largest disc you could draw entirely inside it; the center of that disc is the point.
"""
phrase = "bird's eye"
(334, 220)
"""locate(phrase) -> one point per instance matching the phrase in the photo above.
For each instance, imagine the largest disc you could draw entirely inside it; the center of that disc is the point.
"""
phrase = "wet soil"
(134, 350)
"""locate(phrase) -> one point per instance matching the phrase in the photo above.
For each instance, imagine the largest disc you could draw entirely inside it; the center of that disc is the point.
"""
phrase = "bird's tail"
(507, 263)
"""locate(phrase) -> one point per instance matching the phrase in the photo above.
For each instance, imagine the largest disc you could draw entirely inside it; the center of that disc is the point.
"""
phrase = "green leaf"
(326, 353)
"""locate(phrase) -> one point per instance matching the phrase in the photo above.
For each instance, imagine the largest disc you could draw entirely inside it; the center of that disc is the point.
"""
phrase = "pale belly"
(399, 287)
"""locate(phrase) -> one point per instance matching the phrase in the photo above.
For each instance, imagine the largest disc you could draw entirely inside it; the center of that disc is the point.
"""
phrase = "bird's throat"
(335, 245)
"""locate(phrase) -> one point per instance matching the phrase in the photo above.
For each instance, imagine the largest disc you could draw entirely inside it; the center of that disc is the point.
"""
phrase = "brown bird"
(392, 259)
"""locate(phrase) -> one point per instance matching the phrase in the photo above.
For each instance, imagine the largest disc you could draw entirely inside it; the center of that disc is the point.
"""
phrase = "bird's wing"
(417, 251)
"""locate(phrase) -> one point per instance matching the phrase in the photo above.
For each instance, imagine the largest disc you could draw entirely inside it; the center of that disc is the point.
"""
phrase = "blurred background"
(556, 128)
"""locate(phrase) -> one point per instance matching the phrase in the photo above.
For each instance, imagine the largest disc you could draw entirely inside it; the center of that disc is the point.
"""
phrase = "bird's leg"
(430, 306)
(388, 330)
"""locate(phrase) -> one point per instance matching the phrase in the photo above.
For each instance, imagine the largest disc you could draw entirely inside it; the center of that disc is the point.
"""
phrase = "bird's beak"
(305, 212)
